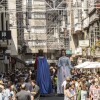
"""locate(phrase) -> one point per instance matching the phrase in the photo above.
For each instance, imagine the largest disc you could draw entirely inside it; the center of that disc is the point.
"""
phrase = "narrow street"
(49, 49)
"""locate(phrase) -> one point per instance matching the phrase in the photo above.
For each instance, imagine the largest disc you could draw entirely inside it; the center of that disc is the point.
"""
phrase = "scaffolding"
(56, 24)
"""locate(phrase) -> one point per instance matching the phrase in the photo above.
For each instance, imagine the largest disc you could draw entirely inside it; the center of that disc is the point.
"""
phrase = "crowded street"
(49, 49)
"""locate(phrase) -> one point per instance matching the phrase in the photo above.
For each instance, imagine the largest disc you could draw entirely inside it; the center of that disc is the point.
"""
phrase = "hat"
(1, 82)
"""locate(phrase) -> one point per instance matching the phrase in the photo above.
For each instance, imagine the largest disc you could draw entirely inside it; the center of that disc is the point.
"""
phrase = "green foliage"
(93, 48)
(98, 43)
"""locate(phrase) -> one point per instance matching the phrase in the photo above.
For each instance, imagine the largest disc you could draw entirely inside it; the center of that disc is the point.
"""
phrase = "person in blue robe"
(43, 74)
(64, 71)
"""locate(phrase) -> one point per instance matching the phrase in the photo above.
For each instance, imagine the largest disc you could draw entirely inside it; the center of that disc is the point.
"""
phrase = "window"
(95, 35)
(92, 39)
(30, 44)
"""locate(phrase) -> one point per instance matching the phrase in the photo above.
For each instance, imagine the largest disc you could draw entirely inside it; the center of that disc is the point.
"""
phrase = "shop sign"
(84, 43)
(5, 35)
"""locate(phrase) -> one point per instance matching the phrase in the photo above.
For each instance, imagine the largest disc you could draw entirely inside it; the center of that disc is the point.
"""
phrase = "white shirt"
(76, 84)
(6, 94)
(83, 95)
(1, 96)
(64, 84)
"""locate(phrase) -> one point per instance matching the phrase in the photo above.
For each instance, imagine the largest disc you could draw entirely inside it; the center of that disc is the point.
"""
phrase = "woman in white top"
(84, 92)
(73, 91)
(67, 93)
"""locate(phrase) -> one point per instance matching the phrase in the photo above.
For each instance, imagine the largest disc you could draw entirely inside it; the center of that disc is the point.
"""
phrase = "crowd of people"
(82, 86)
(26, 84)
(19, 85)
(75, 84)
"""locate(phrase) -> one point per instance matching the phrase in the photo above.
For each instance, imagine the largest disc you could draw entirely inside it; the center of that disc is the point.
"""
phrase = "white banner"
(83, 43)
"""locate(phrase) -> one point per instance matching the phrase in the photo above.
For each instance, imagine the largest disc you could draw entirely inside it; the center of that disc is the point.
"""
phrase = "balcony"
(78, 27)
(93, 18)
(94, 4)
(86, 22)
(97, 52)
(91, 9)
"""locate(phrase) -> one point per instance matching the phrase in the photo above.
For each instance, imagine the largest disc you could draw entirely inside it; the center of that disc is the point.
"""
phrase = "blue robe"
(64, 66)
(43, 76)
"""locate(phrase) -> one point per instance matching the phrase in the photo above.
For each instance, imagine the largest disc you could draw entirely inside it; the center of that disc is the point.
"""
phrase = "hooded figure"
(43, 74)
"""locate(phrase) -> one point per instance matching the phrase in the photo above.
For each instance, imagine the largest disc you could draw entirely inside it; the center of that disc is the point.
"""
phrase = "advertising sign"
(5, 35)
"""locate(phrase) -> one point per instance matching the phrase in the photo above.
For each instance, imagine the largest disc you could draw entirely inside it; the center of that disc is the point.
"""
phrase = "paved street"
(52, 98)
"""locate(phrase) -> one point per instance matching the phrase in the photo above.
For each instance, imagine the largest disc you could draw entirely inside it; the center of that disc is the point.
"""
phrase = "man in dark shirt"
(28, 84)
(23, 94)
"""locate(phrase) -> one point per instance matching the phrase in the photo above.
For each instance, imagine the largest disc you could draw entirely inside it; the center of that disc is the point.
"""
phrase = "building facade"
(9, 22)
(45, 28)
(35, 21)
(57, 36)
(13, 43)
(94, 27)
(3, 27)
(87, 24)
(70, 26)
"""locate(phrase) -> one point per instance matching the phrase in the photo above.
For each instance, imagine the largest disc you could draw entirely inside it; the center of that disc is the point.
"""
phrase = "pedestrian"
(92, 87)
(95, 92)
(1, 85)
(6, 92)
(84, 92)
(55, 83)
(73, 91)
(35, 91)
(43, 78)
(23, 94)
(28, 84)
(1, 95)
(1, 90)
(67, 93)
(64, 68)
(13, 92)
(67, 81)
(78, 90)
